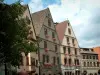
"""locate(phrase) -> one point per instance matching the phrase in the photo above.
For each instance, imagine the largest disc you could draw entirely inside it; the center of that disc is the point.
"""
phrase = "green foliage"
(13, 34)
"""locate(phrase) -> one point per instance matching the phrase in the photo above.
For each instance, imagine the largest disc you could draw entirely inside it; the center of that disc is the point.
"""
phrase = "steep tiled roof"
(60, 28)
(38, 19)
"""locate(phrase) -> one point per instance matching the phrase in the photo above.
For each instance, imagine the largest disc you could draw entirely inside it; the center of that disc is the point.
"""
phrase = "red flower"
(46, 49)
(54, 39)
(47, 36)
(66, 54)
(70, 54)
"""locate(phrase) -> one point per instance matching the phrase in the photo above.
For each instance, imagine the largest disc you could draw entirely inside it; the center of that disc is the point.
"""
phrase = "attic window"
(68, 24)
(69, 31)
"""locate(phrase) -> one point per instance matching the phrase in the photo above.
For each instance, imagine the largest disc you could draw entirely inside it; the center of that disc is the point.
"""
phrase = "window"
(69, 31)
(49, 22)
(94, 64)
(87, 57)
(75, 51)
(67, 39)
(78, 62)
(53, 35)
(21, 60)
(83, 56)
(43, 59)
(47, 59)
(96, 56)
(54, 60)
(70, 61)
(93, 57)
(56, 48)
(69, 51)
(84, 64)
(45, 31)
(90, 56)
(68, 24)
(64, 49)
(88, 64)
(92, 50)
(27, 60)
(45, 44)
(58, 60)
(65, 73)
(97, 64)
(36, 63)
(32, 61)
(65, 60)
(75, 61)
(73, 41)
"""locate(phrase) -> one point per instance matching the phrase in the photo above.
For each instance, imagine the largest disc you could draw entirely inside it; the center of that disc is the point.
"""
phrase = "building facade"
(69, 49)
(89, 61)
(48, 43)
(97, 50)
(29, 62)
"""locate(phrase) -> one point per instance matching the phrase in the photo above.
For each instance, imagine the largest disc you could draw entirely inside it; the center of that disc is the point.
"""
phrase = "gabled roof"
(38, 19)
(61, 28)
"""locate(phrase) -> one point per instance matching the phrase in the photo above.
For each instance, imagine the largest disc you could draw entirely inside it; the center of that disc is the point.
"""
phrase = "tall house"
(29, 62)
(89, 61)
(48, 42)
(97, 50)
(69, 49)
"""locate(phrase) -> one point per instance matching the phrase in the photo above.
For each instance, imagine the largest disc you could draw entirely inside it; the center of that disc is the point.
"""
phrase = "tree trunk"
(5, 69)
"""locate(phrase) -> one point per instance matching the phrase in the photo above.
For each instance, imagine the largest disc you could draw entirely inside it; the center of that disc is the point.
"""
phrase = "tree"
(13, 34)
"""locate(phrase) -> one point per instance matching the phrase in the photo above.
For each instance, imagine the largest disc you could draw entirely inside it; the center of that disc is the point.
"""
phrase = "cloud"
(84, 16)
(35, 5)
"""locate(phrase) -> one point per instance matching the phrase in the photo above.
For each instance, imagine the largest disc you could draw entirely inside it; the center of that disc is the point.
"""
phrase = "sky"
(84, 16)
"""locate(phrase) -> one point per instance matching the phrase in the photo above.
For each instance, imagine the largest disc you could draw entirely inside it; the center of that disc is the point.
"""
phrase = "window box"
(68, 42)
(70, 54)
(46, 49)
(54, 39)
(48, 64)
(77, 65)
(73, 64)
(66, 54)
(47, 36)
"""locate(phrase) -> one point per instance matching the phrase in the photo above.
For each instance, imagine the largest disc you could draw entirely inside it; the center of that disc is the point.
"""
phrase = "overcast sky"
(84, 16)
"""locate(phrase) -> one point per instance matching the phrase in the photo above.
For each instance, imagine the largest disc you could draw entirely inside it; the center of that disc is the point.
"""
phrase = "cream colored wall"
(65, 43)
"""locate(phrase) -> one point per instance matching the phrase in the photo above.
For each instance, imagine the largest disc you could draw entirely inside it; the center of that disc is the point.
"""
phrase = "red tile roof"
(38, 19)
(60, 28)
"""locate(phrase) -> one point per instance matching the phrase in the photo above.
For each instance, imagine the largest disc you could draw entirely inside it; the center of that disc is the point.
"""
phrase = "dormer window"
(69, 31)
